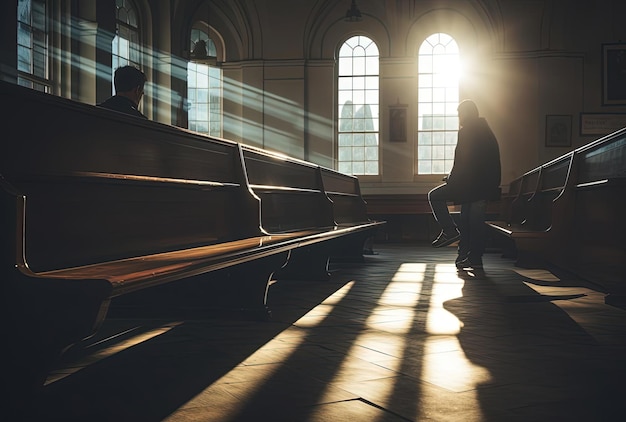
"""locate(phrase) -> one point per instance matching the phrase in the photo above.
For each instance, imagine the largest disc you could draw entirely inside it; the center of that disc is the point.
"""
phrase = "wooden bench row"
(569, 212)
(96, 204)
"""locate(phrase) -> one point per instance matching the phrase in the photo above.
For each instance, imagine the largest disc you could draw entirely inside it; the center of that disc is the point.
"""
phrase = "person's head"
(467, 111)
(129, 82)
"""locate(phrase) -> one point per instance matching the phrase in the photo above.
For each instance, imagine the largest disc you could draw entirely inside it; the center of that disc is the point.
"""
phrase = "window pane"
(345, 97)
(23, 59)
(371, 153)
(425, 64)
(438, 138)
(371, 167)
(358, 97)
(358, 66)
(346, 125)
(424, 167)
(345, 167)
(345, 66)
(345, 139)
(345, 83)
(449, 152)
(371, 64)
(358, 83)
(345, 154)
(424, 138)
(438, 167)
(424, 152)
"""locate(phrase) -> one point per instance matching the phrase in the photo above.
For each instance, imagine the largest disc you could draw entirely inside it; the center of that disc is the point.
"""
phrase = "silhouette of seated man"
(129, 83)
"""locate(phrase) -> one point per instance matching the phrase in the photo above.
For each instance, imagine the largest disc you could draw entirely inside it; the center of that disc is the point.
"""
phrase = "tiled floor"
(401, 337)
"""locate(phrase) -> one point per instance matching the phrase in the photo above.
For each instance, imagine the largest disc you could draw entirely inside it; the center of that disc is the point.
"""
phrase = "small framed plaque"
(558, 130)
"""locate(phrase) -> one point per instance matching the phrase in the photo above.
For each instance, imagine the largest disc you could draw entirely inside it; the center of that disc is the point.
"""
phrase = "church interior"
(260, 245)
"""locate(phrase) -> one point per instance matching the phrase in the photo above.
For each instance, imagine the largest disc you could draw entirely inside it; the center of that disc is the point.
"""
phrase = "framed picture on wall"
(397, 123)
(614, 74)
(558, 130)
(601, 123)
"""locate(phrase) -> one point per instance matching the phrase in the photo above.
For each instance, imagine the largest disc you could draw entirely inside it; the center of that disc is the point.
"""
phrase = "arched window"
(32, 45)
(358, 107)
(438, 98)
(126, 43)
(204, 84)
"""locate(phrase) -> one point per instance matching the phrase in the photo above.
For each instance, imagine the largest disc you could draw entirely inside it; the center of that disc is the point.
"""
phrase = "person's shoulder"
(481, 125)
(122, 105)
(114, 102)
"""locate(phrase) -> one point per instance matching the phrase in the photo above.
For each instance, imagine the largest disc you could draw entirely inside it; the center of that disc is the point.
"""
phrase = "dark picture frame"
(558, 130)
(614, 74)
(397, 123)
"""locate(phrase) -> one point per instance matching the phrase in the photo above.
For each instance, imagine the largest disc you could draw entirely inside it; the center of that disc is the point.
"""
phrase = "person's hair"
(127, 78)
(469, 108)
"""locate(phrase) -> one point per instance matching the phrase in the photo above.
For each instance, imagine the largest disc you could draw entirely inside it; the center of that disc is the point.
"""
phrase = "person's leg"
(464, 229)
(438, 199)
(473, 235)
(478, 233)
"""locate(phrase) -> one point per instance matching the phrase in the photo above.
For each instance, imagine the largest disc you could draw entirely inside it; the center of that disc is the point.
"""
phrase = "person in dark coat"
(473, 180)
(129, 84)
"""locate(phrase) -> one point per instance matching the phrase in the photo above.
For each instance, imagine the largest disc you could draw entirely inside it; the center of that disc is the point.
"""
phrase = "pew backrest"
(345, 193)
(528, 187)
(291, 192)
(602, 160)
(130, 188)
(553, 181)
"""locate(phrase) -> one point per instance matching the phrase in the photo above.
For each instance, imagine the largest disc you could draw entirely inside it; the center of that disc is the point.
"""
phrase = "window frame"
(115, 53)
(345, 83)
(212, 63)
(442, 139)
(29, 78)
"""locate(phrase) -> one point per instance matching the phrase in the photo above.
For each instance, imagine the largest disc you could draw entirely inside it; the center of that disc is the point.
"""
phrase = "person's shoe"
(474, 264)
(445, 239)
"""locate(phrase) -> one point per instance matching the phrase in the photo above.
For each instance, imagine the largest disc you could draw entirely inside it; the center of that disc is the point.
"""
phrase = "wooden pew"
(530, 224)
(573, 216)
(96, 204)
(595, 246)
(296, 195)
(349, 208)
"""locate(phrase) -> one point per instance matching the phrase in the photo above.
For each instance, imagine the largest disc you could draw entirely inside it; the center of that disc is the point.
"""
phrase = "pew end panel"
(296, 195)
(350, 209)
(291, 192)
(345, 193)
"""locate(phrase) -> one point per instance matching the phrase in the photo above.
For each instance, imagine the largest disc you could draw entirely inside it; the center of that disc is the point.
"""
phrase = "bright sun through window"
(439, 69)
